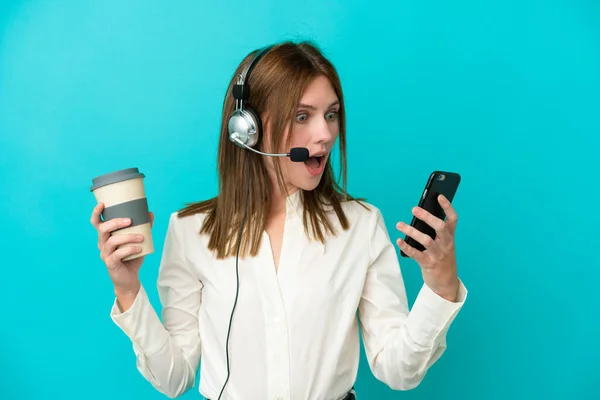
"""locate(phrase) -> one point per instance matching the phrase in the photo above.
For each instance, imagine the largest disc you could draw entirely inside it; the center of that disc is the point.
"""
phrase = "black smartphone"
(440, 182)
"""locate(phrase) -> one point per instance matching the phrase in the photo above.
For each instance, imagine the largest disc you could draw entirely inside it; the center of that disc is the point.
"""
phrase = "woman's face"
(316, 128)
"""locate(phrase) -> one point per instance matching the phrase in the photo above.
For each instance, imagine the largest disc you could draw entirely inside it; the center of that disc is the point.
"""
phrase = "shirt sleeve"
(400, 345)
(168, 352)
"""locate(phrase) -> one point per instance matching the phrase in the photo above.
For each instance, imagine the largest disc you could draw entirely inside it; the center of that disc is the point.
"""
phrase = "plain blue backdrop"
(504, 92)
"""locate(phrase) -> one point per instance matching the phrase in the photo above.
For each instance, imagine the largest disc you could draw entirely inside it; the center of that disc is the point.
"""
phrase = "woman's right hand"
(123, 274)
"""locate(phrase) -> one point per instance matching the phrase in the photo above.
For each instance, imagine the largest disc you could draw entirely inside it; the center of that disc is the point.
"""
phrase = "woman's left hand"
(438, 260)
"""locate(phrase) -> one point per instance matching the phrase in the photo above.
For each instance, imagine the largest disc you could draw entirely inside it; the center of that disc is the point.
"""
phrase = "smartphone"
(439, 182)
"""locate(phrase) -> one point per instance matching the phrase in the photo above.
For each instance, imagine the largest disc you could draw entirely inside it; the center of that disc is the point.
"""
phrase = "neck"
(278, 197)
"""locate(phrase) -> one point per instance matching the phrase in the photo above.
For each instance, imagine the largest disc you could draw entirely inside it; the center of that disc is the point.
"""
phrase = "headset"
(245, 126)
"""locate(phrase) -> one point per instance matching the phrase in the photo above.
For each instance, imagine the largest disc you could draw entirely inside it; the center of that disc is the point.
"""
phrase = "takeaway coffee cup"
(124, 196)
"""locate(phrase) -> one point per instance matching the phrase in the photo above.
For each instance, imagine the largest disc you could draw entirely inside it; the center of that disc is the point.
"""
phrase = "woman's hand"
(123, 274)
(438, 260)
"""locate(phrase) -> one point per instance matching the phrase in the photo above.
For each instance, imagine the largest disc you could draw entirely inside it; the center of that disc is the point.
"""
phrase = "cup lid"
(117, 176)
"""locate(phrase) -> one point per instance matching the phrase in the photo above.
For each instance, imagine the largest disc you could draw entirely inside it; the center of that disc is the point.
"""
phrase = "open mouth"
(315, 164)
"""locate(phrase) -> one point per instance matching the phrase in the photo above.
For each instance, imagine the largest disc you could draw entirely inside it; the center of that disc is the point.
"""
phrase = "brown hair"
(277, 84)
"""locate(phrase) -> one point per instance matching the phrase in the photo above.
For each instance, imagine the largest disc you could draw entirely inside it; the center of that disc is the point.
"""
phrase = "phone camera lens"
(441, 177)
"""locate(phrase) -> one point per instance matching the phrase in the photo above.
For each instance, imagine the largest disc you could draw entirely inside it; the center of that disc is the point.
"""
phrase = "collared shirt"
(295, 330)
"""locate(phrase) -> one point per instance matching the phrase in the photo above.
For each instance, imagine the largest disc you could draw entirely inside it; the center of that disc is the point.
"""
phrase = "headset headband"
(241, 91)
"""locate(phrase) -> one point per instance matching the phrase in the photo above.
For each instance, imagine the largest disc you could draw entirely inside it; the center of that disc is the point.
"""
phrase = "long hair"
(277, 84)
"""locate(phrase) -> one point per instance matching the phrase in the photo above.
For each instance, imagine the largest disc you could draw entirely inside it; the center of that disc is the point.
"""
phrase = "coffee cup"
(124, 196)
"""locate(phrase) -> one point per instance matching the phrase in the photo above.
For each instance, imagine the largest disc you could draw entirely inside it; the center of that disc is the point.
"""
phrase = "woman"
(273, 313)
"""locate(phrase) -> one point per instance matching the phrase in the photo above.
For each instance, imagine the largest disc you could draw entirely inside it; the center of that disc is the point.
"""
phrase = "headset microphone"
(296, 154)
(299, 154)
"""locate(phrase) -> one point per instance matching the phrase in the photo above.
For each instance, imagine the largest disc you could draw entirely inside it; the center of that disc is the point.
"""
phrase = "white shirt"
(295, 331)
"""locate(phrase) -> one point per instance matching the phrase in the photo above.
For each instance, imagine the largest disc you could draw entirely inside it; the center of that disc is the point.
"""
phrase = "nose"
(323, 131)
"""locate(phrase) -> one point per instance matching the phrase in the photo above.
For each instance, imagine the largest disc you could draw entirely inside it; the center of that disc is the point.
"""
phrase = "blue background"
(504, 92)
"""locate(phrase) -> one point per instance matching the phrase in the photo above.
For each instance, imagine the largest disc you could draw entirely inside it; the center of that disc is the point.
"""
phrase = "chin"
(308, 183)
(308, 186)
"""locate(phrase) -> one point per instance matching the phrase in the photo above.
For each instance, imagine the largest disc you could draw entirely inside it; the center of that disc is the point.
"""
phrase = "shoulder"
(192, 215)
(360, 210)
(362, 215)
(185, 226)
(368, 227)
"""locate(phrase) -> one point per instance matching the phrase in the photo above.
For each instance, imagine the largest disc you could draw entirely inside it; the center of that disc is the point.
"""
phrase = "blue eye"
(301, 117)
(331, 116)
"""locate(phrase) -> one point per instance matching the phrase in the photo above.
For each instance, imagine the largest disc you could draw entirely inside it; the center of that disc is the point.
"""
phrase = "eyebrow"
(314, 108)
